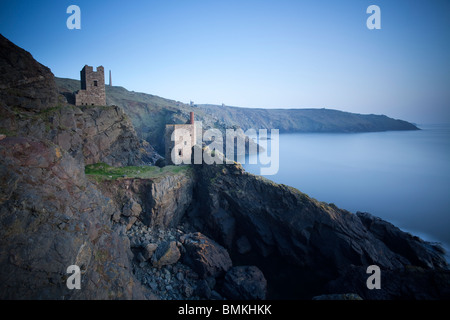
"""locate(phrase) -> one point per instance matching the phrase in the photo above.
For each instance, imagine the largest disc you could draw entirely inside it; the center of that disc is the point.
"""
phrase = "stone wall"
(92, 87)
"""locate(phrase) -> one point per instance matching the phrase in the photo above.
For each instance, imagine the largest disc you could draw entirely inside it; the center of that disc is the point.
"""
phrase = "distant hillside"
(306, 120)
(150, 113)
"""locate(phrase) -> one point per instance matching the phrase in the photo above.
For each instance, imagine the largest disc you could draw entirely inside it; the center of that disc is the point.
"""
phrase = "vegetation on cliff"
(103, 171)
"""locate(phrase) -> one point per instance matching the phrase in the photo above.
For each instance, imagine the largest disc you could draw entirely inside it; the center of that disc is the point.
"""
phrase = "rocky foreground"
(206, 232)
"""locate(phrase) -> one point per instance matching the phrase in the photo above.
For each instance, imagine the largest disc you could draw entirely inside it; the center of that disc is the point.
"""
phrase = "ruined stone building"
(92, 87)
(183, 153)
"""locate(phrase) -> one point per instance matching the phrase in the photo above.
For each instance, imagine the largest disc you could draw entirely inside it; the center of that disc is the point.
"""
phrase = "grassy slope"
(102, 171)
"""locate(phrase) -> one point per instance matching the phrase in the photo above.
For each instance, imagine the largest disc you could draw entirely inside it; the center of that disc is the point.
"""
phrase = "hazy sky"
(271, 54)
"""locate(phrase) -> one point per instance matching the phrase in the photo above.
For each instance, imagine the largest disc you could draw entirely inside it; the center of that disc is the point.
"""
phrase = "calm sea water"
(400, 176)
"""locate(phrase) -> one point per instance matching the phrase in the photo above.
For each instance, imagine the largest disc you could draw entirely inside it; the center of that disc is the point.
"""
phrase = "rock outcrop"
(415, 250)
(205, 256)
(31, 106)
(167, 253)
(158, 202)
(245, 283)
(286, 227)
(24, 82)
(89, 134)
(51, 217)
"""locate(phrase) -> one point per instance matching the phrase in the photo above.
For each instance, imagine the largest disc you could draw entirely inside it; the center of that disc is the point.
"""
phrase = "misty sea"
(400, 176)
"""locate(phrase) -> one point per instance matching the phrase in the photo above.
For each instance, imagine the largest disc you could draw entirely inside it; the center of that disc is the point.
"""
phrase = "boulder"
(203, 289)
(187, 290)
(245, 283)
(149, 250)
(206, 257)
(132, 208)
(223, 225)
(167, 253)
(243, 245)
(129, 222)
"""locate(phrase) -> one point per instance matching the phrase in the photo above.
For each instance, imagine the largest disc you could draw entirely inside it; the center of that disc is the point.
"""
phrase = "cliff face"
(51, 216)
(284, 227)
(157, 202)
(89, 134)
(24, 82)
(31, 106)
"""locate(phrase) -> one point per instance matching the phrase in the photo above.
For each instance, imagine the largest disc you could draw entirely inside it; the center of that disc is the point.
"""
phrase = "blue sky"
(270, 54)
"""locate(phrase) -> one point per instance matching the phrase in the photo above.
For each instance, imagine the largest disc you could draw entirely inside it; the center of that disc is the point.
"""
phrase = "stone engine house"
(92, 87)
(190, 127)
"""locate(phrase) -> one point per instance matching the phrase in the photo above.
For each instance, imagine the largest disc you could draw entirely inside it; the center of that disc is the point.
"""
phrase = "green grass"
(7, 132)
(103, 171)
(51, 110)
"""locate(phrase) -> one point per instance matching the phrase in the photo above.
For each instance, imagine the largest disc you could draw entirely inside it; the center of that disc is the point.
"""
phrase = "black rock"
(243, 245)
(203, 290)
(24, 82)
(206, 257)
(287, 230)
(245, 283)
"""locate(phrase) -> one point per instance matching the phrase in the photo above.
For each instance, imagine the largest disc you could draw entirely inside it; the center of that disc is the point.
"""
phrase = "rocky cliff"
(144, 232)
(51, 216)
(30, 105)
(305, 120)
(89, 134)
(158, 202)
(24, 82)
(281, 230)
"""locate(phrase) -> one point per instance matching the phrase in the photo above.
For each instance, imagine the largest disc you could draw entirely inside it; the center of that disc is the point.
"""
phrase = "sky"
(253, 53)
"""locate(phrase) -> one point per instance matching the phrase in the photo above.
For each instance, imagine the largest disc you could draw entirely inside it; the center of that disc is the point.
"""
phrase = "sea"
(400, 176)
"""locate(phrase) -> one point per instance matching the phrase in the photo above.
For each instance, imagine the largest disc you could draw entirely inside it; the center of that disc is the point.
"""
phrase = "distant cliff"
(150, 113)
(306, 120)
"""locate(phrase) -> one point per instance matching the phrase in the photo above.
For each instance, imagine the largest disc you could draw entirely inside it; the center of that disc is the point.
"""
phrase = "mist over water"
(400, 176)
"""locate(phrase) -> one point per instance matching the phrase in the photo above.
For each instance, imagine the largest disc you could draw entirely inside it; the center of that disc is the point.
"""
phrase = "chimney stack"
(192, 117)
